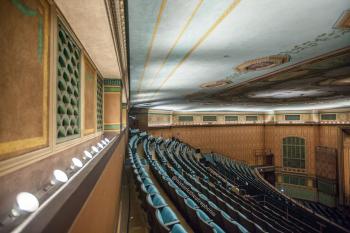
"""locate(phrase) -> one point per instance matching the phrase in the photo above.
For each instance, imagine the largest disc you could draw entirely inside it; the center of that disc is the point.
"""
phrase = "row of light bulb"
(28, 203)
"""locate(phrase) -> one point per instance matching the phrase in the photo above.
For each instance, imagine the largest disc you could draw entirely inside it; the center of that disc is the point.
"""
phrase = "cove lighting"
(25, 202)
(59, 177)
(76, 163)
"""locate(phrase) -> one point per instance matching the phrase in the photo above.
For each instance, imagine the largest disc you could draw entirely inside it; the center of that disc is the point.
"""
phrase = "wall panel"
(24, 76)
(90, 98)
(112, 105)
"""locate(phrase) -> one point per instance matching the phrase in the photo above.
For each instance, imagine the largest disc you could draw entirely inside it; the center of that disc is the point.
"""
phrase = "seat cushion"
(177, 228)
(181, 193)
(168, 215)
(191, 203)
(147, 181)
(216, 228)
(158, 200)
(203, 216)
(151, 189)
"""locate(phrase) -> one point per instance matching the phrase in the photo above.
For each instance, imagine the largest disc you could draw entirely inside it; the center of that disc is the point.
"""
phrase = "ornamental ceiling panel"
(239, 54)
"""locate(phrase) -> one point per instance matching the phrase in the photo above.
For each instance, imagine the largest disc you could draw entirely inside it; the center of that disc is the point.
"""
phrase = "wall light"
(58, 176)
(94, 148)
(76, 164)
(100, 145)
(87, 155)
(25, 203)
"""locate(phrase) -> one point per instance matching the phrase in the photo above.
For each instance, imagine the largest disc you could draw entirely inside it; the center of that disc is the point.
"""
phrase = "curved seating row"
(161, 217)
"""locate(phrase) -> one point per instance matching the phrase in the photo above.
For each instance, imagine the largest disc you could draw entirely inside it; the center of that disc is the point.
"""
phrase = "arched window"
(294, 152)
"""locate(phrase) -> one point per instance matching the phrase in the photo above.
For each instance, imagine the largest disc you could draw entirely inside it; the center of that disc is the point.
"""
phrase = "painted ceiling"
(231, 55)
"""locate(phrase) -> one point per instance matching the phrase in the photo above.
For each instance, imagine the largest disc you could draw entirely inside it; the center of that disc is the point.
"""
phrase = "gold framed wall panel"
(90, 76)
(112, 111)
(25, 81)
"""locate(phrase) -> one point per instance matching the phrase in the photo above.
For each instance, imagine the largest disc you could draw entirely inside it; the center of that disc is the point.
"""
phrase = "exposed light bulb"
(87, 155)
(25, 202)
(94, 148)
(58, 176)
(76, 163)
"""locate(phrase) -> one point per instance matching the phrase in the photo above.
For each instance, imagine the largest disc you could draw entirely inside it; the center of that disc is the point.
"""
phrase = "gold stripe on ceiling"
(177, 40)
(148, 56)
(230, 8)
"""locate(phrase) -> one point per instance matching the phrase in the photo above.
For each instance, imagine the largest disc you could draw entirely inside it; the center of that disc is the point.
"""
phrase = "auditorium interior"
(174, 116)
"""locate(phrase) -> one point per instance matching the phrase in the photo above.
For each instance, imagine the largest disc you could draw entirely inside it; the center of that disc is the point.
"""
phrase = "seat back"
(216, 228)
(204, 221)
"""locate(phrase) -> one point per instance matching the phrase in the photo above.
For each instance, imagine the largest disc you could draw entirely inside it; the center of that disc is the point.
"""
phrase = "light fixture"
(76, 163)
(87, 155)
(58, 176)
(100, 145)
(104, 142)
(282, 190)
(25, 202)
(94, 148)
(107, 140)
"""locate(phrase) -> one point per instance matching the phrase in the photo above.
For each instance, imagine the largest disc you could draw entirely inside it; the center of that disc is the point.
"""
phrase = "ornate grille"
(68, 86)
(99, 103)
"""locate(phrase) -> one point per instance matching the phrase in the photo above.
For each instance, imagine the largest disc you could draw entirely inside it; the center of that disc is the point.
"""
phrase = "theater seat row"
(160, 216)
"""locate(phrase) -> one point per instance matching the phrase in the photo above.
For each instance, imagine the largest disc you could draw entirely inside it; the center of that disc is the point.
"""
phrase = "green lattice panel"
(99, 104)
(68, 86)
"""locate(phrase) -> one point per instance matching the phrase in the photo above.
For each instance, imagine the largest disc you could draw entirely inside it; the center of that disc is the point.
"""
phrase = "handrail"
(256, 171)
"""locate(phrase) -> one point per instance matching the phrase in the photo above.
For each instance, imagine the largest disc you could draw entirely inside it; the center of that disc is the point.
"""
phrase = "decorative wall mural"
(324, 79)
(24, 40)
(262, 63)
